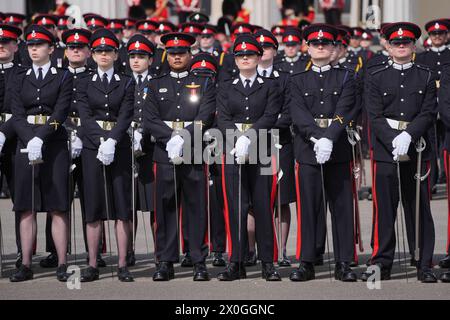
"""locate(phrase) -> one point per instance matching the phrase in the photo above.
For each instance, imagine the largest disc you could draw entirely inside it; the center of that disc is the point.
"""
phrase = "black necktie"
(105, 81)
(40, 75)
(247, 84)
(265, 73)
(139, 80)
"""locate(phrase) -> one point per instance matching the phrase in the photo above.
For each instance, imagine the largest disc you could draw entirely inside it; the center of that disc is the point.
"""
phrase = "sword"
(133, 186)
(209, 150)
(176, 207)
(279, 173)
(402, 213)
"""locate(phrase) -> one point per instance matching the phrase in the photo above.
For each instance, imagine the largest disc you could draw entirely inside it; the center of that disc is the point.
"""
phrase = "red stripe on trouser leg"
(355, 209)
(376, 244)
(226, 210)
(273, 195)
(447, 175)
(299, 210)
(208, 206)
(154, 204)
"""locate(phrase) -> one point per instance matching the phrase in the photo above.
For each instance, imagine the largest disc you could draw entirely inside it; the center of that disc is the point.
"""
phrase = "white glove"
(137, 141)
(241, 149)
(323, 148)
(174, 147)
(34, 148)
(76, 146)
(401, 144)
(106, 151)
(2, 141)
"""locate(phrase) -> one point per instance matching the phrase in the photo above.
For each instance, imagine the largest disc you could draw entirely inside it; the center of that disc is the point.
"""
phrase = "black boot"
(251, 259)
(219, 261)
(426, 275)
(187, 261)
(164, 272)
(343, 272)
(51, 261)
(200, 272)
(385, 273)
(23, 273)
(233, 271)
(445, 277)
(131, 259)
(124, 275)
(445, 263)
(89, 274)
(61, 273)
(304, 272)
(269, 273)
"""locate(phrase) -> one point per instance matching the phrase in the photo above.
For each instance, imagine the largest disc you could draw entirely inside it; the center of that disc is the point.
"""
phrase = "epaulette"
(423, 67)
(379, 70)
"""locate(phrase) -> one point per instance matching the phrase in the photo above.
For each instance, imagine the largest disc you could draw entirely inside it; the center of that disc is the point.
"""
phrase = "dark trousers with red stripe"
(386, 200)
(447, 174)
(338, 189)
(191, 185)
(258, 191)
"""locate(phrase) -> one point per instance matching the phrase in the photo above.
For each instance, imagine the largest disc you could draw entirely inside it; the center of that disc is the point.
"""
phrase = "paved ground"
(45, 286)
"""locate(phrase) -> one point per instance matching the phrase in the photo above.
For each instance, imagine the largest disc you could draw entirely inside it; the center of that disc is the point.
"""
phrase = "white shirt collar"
(294, 59)
(143, 74)
(268, 70)
(325, 68)
(180, 75)
(210, 50)
(252, 79)
(6, 65)
(343, 60)
(385, 53)
(109, 73)
(45, 69)
(355, 49)
(440, 49)
(77, 70)
(401, 67)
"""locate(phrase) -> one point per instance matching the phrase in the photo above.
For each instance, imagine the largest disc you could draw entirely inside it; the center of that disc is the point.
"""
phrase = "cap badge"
(244, 45)
(102, 40)
(320, 33)
(175, 40)
(437, 26)
(33, 34)
(203, 64)
(290, 38)
(76, 36)
(400, 32)
(137, 44)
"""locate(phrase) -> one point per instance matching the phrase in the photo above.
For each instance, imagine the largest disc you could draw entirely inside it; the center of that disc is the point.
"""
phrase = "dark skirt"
(287, 183)
(145, 180)
(51, 179)
(118, 181)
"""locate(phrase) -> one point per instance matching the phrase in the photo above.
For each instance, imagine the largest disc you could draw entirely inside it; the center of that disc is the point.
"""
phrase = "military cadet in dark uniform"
(248, 106)
(366, 42)
(287, 183)
(9, 38)
(355, 48)
(121, 64)
(382, 56)
(205, 65)
(141, 51)
(401, 104)
(105, 104)
(322, 103)
(278, 31)
(21, 56)
(208, 43)
(94, 22)
(147, 28)
(195, 30)
(293, 60)
(129, 29)
(444, 111)
(178, 100)
(160, 64)
(40, 106)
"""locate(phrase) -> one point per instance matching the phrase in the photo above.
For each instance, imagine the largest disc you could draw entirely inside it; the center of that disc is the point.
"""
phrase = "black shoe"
(425, 275)
(51, 261)
(23, 273)
(100, 262)
(61, 273)
(445, 263)
(269, 273)
(219, 261)
(124, 275)
(319, 260)
(251, 259)
(200, 272)
(344, 273)
(445, 277)
(385, 274)
(304, 272)
(285, 262)
(19, 260)
(164, 272)
(233, 271)
(187, 261)
(131, 259)
(90, 274)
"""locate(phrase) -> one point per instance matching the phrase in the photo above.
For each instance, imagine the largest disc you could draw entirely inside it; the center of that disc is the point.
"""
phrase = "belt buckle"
(40, 119)
(246, 126)
(177, 125)
(402, 125)
(108, 125)
(322, 123)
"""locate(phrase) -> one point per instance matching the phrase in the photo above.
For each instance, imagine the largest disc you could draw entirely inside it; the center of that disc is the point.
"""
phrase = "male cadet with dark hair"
(179, 106)
(247, 109)
(293, 61)
(322, 104)
(402, 107)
